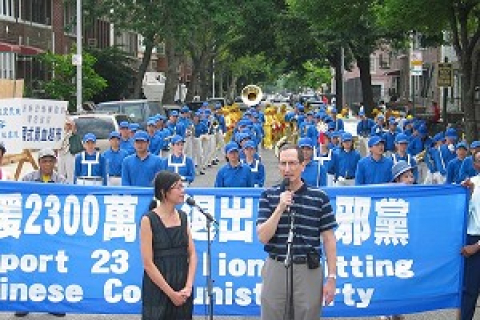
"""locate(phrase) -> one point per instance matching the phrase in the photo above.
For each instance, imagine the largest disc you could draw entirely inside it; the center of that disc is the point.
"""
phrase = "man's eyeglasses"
(178, 186)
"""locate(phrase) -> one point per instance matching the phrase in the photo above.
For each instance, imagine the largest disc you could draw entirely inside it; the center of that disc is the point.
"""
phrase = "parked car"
(138, 110)
(100, 125)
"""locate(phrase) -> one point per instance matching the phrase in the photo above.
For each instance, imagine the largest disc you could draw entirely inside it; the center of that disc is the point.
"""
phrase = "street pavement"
(207, 180)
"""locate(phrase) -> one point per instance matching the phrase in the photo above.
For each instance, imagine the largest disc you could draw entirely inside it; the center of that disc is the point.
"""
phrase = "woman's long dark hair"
(163, 182)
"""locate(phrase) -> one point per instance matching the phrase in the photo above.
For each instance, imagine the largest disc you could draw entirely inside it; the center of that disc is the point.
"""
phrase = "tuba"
(251, 95)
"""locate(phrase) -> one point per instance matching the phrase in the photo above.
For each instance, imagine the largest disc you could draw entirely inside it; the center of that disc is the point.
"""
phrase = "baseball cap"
(305, 142)
(114, 134)
(231, 146)
(185, 109)
(123, 125)
(475, 144)
(141, 135)
(205, 104)
(461, 144)
(451, 133)
(401, 138)
(218, 106)
(361, 113)
(438, 137)
(334, 110)
(249, 144)
(46, 153)
(151, 122)
(423, 130)
(347, 137)
(399, 168)
(89, 137)
(374, 141)
(133, 126)
(177, 138)
(174, 113)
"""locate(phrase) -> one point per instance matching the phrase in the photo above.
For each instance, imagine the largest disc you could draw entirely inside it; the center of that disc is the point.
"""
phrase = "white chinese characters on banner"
(10, 215)
(198, 222)
(120, 217)
(352, 218)
(391, 222)
(233, 216)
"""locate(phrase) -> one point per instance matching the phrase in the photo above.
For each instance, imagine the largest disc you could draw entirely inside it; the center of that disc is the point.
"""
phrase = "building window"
(7, 65)
(69, 17)
(384, 60)
(37, 11)
(7, 8)
(373, 63)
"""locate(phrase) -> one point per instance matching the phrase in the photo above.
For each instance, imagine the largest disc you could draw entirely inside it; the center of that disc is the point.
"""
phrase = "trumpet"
(251, 95)
(420, 156)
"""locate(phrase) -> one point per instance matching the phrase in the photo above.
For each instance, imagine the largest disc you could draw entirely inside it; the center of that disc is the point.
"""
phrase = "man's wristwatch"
(332, 276)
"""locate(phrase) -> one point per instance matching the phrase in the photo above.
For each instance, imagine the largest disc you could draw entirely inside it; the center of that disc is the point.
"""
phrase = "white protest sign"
(31, 123)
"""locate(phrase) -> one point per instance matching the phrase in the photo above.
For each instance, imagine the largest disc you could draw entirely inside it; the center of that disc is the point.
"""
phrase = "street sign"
(445, 75)
(416, 63)
(77, 59)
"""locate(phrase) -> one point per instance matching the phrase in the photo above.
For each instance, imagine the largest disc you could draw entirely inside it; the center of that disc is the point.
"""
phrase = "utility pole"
(77, 60)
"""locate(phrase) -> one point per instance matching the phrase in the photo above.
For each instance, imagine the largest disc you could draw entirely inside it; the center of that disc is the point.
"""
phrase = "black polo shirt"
(313, 215)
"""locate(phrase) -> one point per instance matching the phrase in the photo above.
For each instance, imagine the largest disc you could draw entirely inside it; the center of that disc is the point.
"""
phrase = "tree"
(62, 86)
(461, 18)
(113, 65)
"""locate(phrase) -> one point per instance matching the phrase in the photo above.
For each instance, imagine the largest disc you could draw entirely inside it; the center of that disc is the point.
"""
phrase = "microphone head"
(190, 201)
(286, 183)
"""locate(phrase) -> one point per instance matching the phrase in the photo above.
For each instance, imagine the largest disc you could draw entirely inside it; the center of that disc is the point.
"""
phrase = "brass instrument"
(420, 156)
(251, 95)
(290, 137)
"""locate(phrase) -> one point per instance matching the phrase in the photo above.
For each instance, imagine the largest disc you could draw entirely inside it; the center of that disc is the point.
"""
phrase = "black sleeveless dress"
(170, 255)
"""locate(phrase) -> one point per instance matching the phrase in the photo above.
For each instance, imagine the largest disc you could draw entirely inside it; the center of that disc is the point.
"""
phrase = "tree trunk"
(171, 83)
(363, 64)
(470, 80)
(338, 80)
(137, 90)
(232, 88)
(192, 86)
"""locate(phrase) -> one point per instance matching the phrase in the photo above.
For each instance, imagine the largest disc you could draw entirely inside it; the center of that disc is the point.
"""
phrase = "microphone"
(286, 185)
(191, 202)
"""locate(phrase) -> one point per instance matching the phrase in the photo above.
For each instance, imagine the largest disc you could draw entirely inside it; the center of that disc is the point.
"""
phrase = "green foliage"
(113, 65)
(62, 86)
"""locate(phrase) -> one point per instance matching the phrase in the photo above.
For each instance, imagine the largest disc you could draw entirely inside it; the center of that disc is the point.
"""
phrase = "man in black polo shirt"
(313, 219)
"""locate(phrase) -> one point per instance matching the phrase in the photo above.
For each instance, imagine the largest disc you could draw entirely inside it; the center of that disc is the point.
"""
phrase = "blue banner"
(75, 249)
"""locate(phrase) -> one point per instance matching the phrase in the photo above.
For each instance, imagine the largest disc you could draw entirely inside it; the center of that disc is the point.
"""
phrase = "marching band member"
(187, 123)
(114, 157)
(313, 174)
(364, 128)
(156, 142)
(219, 133)
(374, 168)
(256, 166)
(90, 165)
(401, 154)
(389, 137)
(139, 169)
(467, 170)
(324, 156)
(211, 142)
(338, 122)
(419, 141)
(178, 162)
(200, 129)
(234, 174)
(126, 142)
(440, 173)
(448, 148)
(379, 128)
(162, 133)
(133, 127)
(344, 162)
(453, 167)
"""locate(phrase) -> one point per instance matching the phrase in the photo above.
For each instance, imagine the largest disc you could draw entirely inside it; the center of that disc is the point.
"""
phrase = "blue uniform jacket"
(93, 169)
(389, 138)
(156, 144)
(339, 126)
(314, 174)
(453, 171)
(127, 145)
(114, 161)
(258, 171)
(364, 127)
(182, 165)
(467, 170)
(138, 172)
(370, 171)
(234, 177)
(344, 164)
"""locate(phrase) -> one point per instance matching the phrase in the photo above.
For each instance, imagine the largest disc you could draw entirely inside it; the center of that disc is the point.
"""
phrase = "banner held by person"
(75, 249)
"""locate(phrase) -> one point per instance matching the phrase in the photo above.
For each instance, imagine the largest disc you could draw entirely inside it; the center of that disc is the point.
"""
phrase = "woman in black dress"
(168, 253)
